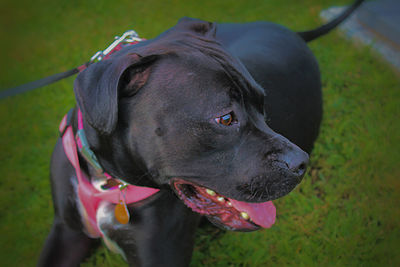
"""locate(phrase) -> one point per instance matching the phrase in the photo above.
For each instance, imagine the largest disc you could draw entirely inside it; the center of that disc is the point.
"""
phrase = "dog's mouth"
(226, 213)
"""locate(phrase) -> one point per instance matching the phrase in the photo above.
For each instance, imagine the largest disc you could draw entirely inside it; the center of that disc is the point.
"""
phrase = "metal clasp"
(127, 37)
(122, 185)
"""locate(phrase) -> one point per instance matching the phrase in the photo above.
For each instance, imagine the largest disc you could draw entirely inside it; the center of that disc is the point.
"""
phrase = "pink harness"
(89, 196)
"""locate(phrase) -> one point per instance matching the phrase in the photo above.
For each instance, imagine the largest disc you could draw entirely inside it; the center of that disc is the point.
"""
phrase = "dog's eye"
(226, 119)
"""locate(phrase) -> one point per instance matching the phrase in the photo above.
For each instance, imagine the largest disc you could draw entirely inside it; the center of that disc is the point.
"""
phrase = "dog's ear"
(99, 87)
(200, 27)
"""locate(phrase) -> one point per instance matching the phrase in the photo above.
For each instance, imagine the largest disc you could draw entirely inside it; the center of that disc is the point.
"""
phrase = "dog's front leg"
(65, 246)
(160, 232)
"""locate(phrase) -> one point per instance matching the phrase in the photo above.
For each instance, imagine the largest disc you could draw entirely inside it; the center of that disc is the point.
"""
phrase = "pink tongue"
(262, 214)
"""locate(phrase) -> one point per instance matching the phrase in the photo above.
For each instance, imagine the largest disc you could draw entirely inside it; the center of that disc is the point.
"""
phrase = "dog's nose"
(297, 162)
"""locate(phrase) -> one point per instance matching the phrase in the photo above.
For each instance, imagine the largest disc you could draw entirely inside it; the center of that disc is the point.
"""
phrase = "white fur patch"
(105, 216)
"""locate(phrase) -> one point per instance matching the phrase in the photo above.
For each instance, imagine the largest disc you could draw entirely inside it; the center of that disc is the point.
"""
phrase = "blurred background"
(344, 213)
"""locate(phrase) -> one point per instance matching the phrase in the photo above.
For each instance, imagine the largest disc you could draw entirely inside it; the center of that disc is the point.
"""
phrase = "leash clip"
(127, 37)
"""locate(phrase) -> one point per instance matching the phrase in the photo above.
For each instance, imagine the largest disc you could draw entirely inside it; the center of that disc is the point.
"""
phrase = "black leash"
(129, 37)
(38, 83)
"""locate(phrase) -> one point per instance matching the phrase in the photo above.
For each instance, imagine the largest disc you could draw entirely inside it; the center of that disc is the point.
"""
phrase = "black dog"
(217, 117)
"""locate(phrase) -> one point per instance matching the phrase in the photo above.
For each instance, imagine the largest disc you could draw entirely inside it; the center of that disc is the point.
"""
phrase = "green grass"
(345, 212)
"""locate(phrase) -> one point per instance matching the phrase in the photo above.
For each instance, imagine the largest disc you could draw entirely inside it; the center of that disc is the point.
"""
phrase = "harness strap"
(114, 190)
(89, 196)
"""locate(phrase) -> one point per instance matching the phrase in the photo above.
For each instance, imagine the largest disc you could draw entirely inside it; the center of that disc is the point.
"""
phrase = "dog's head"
(178, 110)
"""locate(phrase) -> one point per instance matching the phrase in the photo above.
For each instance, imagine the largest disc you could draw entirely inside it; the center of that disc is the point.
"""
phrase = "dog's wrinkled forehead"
(196, 35)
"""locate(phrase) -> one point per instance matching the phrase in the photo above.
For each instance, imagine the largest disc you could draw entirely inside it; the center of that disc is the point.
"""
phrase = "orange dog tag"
(121, 213)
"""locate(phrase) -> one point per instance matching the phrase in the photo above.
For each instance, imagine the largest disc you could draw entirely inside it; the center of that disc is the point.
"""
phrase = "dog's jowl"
(206, 120)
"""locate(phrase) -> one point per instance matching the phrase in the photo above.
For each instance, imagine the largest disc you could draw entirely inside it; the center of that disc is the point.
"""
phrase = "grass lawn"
(344, 213)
